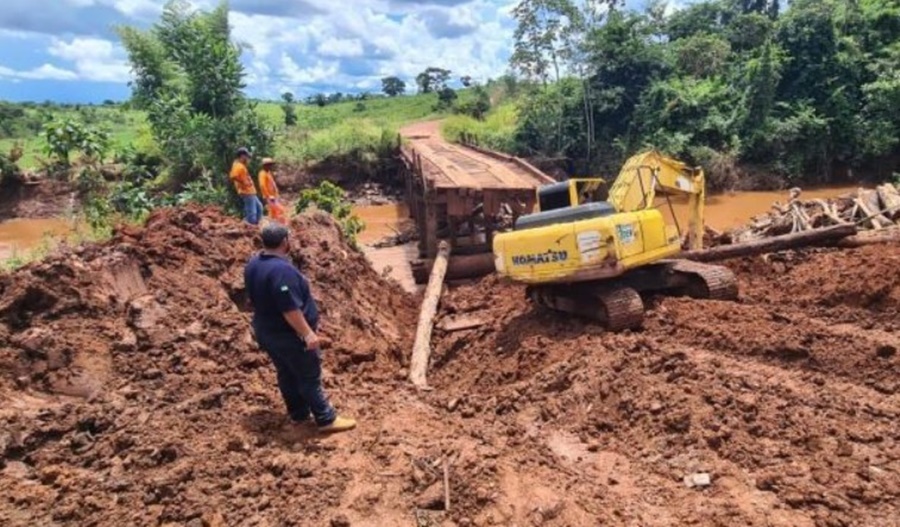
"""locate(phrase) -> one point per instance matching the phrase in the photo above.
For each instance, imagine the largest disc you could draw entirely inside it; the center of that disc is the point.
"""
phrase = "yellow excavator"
(593, 255)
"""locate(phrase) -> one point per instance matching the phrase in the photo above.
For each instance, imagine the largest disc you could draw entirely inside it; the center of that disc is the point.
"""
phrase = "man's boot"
(340, 424)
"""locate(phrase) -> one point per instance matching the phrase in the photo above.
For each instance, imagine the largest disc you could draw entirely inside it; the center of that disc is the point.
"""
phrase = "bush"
(477, 106)
(330, 198)
(65, 136)
(9, 170)
(496, 132)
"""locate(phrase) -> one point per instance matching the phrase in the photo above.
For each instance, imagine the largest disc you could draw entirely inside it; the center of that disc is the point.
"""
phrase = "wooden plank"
(421, 353)
(461, 323)
(456, 204)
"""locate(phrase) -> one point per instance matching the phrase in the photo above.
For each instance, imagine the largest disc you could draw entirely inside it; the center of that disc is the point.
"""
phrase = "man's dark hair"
(242, 152)
(273, 234)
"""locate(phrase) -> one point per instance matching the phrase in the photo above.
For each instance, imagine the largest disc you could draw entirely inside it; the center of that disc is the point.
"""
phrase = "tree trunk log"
(459, 267)
(889, 235)
(871, 207)
(769, 245)
(890, 200)
(422, 347)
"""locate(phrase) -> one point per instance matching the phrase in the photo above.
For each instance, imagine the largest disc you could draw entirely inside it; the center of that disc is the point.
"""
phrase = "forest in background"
(760, 92)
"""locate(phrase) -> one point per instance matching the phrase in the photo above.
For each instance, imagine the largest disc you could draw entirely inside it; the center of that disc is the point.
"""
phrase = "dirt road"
(132, 394)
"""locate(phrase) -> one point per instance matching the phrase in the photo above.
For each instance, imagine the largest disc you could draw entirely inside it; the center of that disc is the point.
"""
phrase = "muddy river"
(18, 236)
(723, 211)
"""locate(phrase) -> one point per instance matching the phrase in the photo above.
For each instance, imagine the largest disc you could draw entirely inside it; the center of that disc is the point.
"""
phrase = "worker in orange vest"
(269, 191)
(243, 184)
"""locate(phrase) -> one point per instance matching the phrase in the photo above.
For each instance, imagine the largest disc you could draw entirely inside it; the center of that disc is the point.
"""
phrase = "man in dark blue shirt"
(285, 321)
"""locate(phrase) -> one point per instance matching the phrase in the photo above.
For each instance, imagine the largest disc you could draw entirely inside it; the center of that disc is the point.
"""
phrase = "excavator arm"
(649, 173)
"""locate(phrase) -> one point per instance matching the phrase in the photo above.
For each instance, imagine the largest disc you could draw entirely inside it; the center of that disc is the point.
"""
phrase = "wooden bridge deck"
(463, 194)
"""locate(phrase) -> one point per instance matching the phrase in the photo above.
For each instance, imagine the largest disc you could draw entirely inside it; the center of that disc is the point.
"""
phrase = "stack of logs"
(868, 209)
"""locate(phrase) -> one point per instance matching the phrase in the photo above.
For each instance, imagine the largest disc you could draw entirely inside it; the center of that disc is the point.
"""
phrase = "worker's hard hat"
(243, 152)
(268, 161)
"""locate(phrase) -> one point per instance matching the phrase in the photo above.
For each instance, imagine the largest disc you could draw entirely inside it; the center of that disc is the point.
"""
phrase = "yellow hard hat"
(268, 161)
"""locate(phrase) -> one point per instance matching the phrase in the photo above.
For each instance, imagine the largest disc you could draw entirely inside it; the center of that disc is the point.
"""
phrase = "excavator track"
(706, 281)
(618, 308)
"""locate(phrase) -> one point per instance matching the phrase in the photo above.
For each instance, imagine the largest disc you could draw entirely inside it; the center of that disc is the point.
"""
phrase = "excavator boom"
(649, 173)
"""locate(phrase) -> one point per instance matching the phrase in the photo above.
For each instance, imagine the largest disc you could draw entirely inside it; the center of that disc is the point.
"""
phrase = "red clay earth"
(132, 394)
(45, 199)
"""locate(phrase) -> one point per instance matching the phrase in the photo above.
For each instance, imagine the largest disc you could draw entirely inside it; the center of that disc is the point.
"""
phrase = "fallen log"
(459, 268)
(890, 200)
(871, 207)
(889, 235)
(830, 211)
(825, 236)
(422, 347)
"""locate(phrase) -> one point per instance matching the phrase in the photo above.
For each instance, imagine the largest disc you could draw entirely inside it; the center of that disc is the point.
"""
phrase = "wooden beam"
(421, 353)
(773, 244)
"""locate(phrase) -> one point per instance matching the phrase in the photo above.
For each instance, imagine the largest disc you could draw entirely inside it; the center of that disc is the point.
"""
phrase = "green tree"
(702, 54)
(62, 138)
(290, 115)
(433, 79)
(189, 79)
(393, 86)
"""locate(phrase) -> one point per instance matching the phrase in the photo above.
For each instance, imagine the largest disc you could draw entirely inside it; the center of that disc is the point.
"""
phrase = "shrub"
(330, 198)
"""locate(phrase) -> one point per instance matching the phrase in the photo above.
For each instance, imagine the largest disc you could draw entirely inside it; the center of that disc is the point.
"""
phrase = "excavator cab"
(571, 193)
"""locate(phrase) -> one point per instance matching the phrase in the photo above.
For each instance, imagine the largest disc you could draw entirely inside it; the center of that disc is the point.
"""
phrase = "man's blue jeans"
(253, 208)
(299, 377)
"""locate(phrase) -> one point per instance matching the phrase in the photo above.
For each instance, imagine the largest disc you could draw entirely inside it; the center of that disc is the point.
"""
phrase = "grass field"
(126, 127)
(321, 132)
(340, 128)
(331, 131)
(497, 131)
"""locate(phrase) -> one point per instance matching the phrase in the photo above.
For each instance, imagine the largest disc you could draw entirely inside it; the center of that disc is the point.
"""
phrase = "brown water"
(382, 221)
(19, 236)
(727, 211)
(723, 212)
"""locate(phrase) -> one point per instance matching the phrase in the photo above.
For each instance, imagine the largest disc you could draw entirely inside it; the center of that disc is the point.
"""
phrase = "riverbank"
(722, 212)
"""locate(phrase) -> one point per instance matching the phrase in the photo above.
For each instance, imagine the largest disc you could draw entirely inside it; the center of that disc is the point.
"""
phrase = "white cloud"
(304, 46)
(136, 8)
(315, 73)
(95, 59)
(340, 47)
(44, 72)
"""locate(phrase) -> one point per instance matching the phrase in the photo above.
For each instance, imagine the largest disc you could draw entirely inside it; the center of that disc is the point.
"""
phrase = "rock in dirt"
(340, 521)
(432, 498)
(700, 479)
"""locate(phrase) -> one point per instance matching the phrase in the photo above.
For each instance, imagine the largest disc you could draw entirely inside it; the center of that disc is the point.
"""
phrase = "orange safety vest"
(243, 183)
(269, 191)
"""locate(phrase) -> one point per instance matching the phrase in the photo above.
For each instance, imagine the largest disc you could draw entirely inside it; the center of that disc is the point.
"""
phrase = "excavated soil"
(789, 399)
(132, 394)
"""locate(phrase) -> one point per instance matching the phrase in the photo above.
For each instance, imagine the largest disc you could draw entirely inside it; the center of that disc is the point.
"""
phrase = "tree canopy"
(189, 79)
(805, 92)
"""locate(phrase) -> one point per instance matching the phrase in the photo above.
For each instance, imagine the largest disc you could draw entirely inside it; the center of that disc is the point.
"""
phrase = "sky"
(68, 51)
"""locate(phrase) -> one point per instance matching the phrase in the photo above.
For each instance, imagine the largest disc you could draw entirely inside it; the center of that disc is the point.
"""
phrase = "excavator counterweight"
(594, 258)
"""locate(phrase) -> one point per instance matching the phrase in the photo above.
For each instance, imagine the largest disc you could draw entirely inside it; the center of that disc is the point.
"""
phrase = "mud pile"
(134, 395)
(789, 399)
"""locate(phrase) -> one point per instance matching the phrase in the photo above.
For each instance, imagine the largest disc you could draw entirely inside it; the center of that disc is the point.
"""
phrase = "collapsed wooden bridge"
(463, 195)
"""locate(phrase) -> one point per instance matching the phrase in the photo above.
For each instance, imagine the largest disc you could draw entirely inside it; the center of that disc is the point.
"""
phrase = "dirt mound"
(788, 399)
(133, 393)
